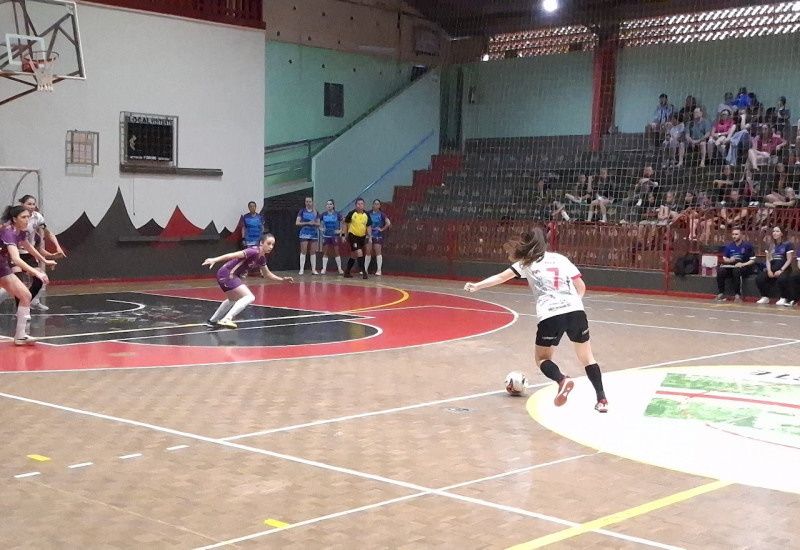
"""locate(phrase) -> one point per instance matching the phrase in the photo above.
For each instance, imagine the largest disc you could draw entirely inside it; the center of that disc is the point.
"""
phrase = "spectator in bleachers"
(734, 209)
(722, 184)
(787, 198)
(779, 182)
(669, 210)
(738, 261)
(675, 141)
(605, 193)
(580, 191)
(755, 111)
(721, 134)
(694, 214)
(698, 132)
(764, 146)
(782, 117)
(742, 99)
(749, 187)
(780, 257)
(741, 141)
(661, 116)
(686, 112)
(728, 105)
(643, 186)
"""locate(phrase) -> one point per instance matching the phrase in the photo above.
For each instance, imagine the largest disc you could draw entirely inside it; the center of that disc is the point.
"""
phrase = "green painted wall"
(295, 78)
(530, 96)
(766, 65)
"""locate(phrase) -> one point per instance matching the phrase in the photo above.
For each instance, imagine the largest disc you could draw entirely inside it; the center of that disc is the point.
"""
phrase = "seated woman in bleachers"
(675, 141)
(605, 193)
(722, 184)
(765, 145)
(749, 187)
(721, 134)
(669, 210)
(734, 210)
(580, 191)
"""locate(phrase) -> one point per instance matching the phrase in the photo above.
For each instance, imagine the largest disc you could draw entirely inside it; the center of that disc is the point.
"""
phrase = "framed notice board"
(148, 140)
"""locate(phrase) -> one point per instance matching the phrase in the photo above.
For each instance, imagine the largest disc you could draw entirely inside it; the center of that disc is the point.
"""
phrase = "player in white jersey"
(559, 289)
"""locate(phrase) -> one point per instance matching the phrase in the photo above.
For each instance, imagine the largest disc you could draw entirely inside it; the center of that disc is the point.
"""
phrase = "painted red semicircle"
(404, 320)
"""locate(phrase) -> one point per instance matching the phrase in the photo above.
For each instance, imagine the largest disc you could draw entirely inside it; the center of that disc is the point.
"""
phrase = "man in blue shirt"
(738, 261)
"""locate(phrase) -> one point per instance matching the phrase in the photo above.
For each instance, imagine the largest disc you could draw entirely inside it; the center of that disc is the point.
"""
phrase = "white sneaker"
(789, 303)
(24, 341)
(781, 302)
(39, 306)
(378, 273)
(341, 272)
(322, 272)
(763, 300)
(315, 272)
(300, 272)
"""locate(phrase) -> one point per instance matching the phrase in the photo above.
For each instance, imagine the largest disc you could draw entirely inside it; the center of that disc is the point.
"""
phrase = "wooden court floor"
(401, 437)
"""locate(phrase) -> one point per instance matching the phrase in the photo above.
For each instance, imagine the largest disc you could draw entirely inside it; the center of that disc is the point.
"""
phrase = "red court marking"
(415, 321)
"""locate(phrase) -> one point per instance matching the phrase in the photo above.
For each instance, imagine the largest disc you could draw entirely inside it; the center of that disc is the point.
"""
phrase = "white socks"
(367, 258)
(339, 263)
(223, 308)
(379, 259)
(23, 316)
(302, 263)
(324, 263)
(239, 305)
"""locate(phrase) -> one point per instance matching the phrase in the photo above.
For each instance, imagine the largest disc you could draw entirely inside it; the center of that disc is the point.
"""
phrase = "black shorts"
(574, 323)
(356, 243)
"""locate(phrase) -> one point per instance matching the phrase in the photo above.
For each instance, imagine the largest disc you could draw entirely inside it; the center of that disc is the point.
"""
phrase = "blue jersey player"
(380, 223)
(308, 222)
(331, 225)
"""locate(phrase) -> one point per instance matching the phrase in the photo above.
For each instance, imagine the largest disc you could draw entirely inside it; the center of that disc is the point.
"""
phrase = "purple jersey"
(238, 267)
(8, 236)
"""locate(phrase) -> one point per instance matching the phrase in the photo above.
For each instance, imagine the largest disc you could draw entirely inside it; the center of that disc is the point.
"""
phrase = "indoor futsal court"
(373, 414)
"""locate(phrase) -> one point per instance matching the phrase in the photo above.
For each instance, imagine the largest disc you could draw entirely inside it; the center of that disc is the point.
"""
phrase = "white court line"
(134, 455)
(295, 459)
(29, 474)
(370, 414)
(457, 497)
(81, 465)
(176, 447)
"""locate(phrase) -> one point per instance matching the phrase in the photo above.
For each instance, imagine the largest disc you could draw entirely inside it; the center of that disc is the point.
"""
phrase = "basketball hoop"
(42, 65)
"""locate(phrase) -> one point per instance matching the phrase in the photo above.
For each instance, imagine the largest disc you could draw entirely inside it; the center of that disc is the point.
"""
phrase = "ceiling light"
(550, 5)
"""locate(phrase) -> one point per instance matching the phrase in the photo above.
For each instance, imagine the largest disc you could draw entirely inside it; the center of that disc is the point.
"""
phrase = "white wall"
(383, 140)
(210, 76)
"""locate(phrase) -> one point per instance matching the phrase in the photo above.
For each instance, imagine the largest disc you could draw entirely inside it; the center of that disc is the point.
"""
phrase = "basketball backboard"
(46, 26)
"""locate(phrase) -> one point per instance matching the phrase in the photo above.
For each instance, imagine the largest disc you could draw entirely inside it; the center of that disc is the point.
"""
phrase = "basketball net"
(42, 65)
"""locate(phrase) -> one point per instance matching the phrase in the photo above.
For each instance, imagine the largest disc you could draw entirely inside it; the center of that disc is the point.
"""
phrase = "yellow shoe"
(226, 323)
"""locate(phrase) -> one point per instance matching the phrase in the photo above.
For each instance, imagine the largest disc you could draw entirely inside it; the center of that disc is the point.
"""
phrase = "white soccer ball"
(516, 383)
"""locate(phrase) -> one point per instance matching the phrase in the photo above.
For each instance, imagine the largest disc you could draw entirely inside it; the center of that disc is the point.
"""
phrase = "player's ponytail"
(528, 248)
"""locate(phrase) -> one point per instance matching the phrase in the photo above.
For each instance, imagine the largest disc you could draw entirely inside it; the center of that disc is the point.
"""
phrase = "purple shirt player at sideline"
(229, 278)
(13, 236)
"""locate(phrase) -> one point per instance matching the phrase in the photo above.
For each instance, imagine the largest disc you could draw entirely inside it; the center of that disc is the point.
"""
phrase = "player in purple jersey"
(229, 278)
(559, 290)
(380, 223)
(13, 236)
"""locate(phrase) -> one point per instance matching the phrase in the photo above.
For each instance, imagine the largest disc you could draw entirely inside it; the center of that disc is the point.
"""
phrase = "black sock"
(350, 263)
(550, 370)
(596, 378)
(361, 264)
(36, 286)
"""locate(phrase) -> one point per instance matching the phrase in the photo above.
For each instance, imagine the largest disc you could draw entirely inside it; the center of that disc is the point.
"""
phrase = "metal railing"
(291, 161)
